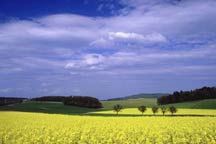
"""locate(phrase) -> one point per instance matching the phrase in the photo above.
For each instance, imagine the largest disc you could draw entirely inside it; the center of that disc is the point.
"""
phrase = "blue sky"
(106, 48)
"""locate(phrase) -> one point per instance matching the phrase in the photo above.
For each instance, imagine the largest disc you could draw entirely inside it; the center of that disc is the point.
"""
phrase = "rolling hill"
(142, 95)
(46, 107)
(199, 104)
(60, 108)
(149, 102)
(130, 103)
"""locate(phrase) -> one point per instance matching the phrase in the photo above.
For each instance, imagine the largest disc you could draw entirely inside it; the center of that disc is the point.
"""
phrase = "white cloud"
(115, 39)
(113, 35)
(100, 62)
(54, 28)
(88, 61)
(148, 22)
(178, 69)
(101, 43)
(91, 59)
(154, 37)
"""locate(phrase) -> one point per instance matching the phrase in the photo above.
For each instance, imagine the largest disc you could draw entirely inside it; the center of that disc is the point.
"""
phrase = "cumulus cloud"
(149, 25)
(50, 32)
(154, 37)
(122, 35)
(122, 39)
(87, 61)
(143, 36)
(98, 62)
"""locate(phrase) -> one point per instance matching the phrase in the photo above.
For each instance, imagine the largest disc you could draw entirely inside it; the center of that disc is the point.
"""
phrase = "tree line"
(81, 101)
(49, 98)
(10, 100)
(182, 96)
(117, 108)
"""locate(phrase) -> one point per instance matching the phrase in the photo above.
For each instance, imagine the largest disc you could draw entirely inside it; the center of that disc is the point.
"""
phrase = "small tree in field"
(172, 109)
(142, 109)
(154, 110)
(164, 110)
(117, 108)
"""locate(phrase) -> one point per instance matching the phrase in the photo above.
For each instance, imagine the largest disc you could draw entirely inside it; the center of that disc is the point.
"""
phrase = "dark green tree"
(117, 108)
(172, 109)
(154, 109)
(142, 109)
(163, 109)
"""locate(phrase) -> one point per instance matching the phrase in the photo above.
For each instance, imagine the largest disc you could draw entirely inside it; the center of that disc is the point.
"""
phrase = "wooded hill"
(183, 96)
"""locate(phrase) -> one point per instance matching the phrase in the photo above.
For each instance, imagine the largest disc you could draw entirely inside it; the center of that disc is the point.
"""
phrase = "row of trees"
(82, 101)
(117, 108)
(182, 96)
(10, 100)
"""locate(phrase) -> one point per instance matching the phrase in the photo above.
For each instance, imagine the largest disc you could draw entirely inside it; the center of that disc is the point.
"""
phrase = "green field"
(202, 107)
(149, 102)
(200, 104)
(131, 103)
(46, 107)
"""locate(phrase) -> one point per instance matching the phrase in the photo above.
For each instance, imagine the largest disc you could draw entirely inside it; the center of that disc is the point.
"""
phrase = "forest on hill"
(183, 96)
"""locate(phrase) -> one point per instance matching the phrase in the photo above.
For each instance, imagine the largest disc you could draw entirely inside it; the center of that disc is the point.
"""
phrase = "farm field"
(23, 128)
(130, 103)
(130, 107)
(180, 112)
(199, 104)
(149, 102)
(45, 107)
(55, 123)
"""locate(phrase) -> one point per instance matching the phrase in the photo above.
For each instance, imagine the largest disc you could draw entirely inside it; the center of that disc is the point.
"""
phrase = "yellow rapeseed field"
(35, 128)
(134, 111)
